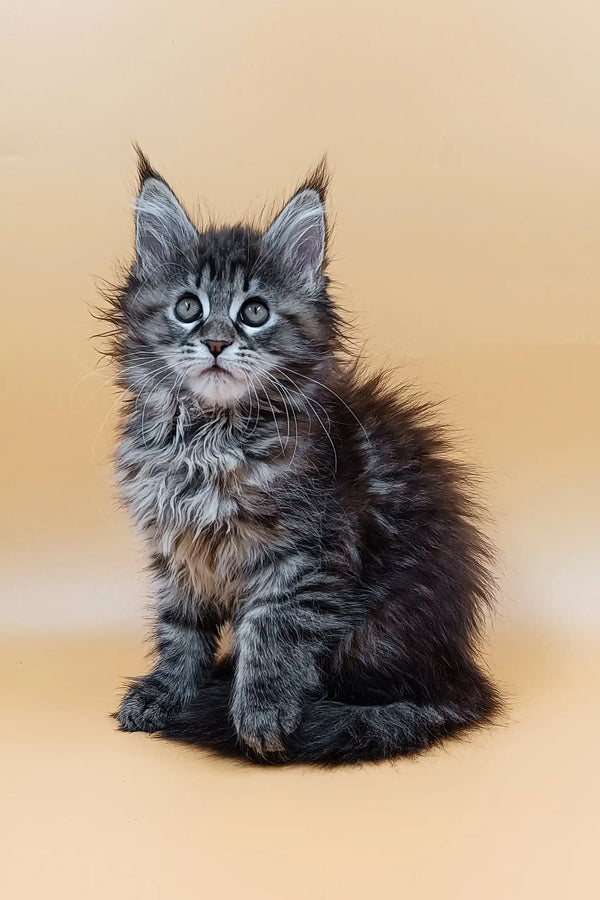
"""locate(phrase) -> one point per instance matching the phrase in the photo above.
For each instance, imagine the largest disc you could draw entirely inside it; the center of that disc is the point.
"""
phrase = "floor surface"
(92, 813)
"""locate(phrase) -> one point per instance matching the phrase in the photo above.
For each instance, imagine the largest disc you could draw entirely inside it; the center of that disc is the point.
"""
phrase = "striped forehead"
(226, 256)
(231, 275)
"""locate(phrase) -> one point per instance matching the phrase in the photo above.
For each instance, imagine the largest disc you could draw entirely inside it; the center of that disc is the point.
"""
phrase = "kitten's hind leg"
(185, 660)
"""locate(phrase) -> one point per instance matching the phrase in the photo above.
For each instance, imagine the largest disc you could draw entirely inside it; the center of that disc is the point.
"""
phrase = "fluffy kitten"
(312, 509)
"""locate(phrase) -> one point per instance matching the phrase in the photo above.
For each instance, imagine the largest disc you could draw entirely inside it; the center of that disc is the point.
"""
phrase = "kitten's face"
(219, 315)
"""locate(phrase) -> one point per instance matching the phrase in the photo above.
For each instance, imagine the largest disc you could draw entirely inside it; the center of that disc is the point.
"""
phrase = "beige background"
(464, 140)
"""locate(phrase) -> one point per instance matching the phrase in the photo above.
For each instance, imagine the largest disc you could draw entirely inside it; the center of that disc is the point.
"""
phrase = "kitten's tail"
(333, 733)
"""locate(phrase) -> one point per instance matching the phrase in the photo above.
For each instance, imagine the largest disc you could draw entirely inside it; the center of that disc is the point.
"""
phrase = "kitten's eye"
(253, 312)
(188, 308)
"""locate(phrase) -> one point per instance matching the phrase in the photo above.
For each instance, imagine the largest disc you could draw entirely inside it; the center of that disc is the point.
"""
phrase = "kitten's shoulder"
(389, 410)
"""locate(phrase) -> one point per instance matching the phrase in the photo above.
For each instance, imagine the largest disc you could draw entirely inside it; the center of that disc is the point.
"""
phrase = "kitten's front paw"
(264, 729)
(146, 707)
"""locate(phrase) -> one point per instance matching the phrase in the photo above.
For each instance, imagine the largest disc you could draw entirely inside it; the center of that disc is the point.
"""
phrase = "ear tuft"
(162, 227)
(317, 180)
(299, 233)
(145, 168)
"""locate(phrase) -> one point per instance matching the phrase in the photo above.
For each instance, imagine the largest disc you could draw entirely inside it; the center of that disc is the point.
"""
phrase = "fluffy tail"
(333, 733)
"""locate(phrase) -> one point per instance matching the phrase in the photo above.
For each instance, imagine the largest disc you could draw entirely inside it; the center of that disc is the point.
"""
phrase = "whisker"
(287, 415)
(153, 391)
(312, 403)
(281, 388)
(331, 391)
(274, 416)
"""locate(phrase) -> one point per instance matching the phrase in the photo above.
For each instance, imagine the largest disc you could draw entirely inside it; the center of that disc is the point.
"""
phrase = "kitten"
(312, 509)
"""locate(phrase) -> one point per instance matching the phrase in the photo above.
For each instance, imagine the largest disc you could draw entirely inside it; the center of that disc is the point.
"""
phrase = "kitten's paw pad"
(145, 707)
(264, 730)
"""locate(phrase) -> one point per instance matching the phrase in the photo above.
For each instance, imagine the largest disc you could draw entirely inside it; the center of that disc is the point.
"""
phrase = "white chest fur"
(199, 504)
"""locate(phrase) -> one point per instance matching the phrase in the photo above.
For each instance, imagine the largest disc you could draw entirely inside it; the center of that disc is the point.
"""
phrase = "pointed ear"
(299, 233)
(162, 227)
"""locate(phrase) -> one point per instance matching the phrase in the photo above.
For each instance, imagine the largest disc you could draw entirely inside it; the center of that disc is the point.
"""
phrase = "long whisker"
(250, 408)
(312, 404)
(153, 391)
(251, 383)
(331, 391)
(142, 380)
(303, 394)
(283, 392)
(277, 388)
(274, 416)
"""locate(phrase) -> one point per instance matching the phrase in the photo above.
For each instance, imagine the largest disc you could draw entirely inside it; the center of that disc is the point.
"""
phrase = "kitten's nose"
(216, 347)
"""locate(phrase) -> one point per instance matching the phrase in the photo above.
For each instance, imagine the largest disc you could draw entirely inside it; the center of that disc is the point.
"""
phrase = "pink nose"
(217, 347)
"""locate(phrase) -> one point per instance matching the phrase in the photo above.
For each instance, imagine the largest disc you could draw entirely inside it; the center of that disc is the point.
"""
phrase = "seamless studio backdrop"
(464, 144)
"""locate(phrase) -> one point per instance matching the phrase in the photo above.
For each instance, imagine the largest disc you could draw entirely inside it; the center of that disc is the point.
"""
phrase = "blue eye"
(253, 312)
(188, 308)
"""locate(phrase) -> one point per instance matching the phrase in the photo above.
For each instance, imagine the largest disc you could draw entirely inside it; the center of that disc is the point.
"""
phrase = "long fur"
(315, 509)
(334, 733)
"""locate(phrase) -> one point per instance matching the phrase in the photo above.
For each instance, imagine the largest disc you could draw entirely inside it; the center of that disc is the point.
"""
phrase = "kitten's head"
(218, 313)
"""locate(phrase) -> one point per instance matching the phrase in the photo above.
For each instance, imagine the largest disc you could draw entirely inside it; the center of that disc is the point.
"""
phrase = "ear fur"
(162, 227)
(298, 235)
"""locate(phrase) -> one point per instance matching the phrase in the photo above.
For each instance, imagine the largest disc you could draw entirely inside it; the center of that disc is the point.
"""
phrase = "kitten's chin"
(217, 387)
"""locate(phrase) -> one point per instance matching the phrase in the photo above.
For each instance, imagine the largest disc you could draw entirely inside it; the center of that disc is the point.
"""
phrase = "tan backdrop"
(464, 141)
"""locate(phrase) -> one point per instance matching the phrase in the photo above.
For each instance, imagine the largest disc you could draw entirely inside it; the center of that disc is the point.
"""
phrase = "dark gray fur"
(314, 510)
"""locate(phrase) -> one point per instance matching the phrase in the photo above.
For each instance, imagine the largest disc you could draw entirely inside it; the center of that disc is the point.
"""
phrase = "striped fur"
(314, 510)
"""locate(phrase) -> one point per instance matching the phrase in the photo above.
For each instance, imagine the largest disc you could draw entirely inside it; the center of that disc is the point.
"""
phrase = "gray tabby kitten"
(314, 511)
